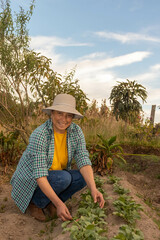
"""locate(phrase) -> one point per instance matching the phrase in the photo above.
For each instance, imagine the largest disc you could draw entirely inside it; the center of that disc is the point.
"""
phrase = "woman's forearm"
(88, 176)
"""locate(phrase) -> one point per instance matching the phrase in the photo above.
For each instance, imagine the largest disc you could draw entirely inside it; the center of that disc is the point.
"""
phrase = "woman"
(43, 178)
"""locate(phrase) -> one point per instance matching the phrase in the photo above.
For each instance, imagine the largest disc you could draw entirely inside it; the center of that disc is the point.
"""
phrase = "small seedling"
(89, 223)
(119, 189)
(128, 233)
(127, 209)
(113, 179)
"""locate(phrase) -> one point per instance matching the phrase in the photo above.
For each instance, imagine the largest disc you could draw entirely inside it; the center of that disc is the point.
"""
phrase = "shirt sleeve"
(38, 152)
(81, 155)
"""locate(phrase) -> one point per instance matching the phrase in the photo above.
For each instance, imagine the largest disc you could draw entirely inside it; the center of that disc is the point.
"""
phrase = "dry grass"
(107, 127)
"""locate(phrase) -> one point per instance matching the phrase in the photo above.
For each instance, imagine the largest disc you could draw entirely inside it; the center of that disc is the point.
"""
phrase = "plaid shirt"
(38, 157)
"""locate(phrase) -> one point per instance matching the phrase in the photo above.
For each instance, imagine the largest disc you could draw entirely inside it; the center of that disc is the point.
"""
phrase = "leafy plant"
(124, 100)
(128, 233)
(113, 179)
(127, 209)
(119, 189)
(89, 223)
(10, 147)
(105, 152)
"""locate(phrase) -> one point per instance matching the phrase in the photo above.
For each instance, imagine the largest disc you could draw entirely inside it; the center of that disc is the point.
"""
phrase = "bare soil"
(141, 177)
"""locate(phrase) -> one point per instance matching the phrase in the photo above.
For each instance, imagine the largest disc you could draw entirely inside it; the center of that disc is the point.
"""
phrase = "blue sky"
(107, 41)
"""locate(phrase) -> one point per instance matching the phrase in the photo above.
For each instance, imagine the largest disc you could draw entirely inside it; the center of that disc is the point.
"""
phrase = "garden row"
(90, 222)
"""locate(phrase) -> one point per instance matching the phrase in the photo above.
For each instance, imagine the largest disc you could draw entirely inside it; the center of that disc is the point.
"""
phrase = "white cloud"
(127, 37)
(41, 41)
(47, 47)
(87, 64)
(151, 74)
(97, 61)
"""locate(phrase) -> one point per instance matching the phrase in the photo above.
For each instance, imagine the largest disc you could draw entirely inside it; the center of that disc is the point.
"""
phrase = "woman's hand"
(87, 173)
(98, 197)
(63, 212)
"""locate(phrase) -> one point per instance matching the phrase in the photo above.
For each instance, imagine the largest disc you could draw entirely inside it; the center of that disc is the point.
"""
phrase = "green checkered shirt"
(38, 157)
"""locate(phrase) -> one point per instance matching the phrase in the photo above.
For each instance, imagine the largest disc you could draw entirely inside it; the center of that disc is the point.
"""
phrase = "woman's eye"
(70, 115)
(59, 113)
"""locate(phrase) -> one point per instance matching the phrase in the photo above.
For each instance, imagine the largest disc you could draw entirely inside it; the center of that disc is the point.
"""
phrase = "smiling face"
(61, 121)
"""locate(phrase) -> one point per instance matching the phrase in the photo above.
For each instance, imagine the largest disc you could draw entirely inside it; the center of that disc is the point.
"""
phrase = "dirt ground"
(142, 178)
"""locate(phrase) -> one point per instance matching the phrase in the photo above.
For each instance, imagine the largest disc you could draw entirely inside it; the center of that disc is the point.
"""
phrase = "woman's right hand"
(63, 212)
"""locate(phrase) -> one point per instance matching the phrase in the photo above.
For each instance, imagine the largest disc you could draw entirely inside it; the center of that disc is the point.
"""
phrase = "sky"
(106, 41)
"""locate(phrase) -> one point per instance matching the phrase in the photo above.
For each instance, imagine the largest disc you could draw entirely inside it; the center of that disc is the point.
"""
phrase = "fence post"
(153, 109)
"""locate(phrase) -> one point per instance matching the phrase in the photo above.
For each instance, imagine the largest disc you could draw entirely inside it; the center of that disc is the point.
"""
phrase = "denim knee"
(59, 180)
(65, 179)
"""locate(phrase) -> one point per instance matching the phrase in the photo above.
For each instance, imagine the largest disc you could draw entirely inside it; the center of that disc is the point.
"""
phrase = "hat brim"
(67, 109)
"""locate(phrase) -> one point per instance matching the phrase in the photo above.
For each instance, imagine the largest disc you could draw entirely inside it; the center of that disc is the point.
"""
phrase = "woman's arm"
(88, 176)
(62, 210)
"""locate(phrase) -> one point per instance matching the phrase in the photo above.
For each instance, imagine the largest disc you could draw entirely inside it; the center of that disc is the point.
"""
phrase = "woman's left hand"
(98, 197)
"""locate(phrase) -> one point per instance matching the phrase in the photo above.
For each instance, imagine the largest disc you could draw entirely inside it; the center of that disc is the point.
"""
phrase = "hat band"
(64, 105)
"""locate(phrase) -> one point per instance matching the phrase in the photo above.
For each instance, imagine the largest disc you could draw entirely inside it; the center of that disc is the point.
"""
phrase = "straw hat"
(64, 103)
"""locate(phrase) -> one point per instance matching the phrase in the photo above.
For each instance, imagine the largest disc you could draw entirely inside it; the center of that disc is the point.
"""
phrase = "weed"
(157, 222)
(2, 208)
(48, 229)
(148, 202)
(5, 199)
(158, 176)
(53, 224)
(128, 233)
(41, 233)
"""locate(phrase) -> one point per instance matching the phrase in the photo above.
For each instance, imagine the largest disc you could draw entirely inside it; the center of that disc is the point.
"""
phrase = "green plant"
(106, 151)
(124, 100)
(157, 221)
(10, 147)
(113, 179)
(127, 208)
(158, 176)
(49, 227)
(89, 222)
(128, 233)
(2, 208)
(119, 189)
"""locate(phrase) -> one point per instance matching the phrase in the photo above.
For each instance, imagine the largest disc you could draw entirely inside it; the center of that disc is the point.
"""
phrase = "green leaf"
(64, 224)
(90, 227)
(112, 140)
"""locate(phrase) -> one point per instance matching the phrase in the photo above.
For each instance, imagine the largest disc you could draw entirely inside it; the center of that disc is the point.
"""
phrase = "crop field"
(132, 208)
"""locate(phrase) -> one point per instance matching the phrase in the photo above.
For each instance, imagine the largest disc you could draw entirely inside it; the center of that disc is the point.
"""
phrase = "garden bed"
(140, 176)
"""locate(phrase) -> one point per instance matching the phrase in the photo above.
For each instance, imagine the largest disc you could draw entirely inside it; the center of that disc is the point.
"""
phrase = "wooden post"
(153, 109)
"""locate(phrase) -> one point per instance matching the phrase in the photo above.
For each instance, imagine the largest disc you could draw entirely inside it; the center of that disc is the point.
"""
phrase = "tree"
(64, 84)
(26, 77)
(124, 100)
(21, 70)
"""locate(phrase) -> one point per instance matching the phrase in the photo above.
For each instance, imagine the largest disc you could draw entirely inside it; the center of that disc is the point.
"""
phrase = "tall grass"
(109, 126)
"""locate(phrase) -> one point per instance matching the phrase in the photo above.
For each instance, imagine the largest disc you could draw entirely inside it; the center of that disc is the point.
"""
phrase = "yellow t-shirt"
(60, 158)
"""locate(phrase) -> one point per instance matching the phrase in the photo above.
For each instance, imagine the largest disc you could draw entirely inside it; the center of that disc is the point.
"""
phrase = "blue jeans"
(64, 183)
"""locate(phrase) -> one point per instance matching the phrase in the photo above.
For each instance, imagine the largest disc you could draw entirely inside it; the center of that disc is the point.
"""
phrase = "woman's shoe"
(36, 212)
(52, 210)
